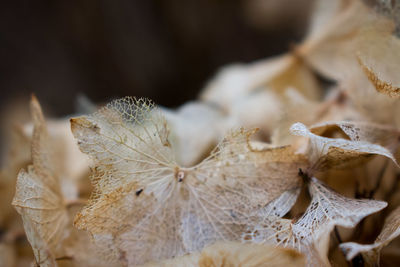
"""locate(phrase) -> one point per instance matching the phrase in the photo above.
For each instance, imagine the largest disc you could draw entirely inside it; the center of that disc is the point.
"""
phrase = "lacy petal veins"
(311, 232)
(43, 206)
(150, 206)
(38, 196)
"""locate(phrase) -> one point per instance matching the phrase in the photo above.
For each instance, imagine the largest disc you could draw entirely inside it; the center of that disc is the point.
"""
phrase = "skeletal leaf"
(38, 198)
(326, 152)
(371, 253)
(145, 204)
(236, 254)
(311, 231)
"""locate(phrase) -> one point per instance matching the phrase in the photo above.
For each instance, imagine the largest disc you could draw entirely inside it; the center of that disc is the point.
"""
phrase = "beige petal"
(311, 232)
(146, 204)
(378, 56)
(330, 46)
(325, 153)
(234, 83)
(38, 198)
(195, 129)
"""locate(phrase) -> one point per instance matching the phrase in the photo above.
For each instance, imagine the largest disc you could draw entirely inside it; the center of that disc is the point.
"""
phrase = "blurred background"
(162, 49)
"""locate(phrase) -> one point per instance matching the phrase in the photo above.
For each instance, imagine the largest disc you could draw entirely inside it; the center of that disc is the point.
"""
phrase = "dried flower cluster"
(268, 168)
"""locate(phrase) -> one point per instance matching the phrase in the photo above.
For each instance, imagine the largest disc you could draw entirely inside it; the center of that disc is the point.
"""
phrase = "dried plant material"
(195, 128)
(277, 74)
(236, 254)
(360, 131)
(378, 61)
(18, 156)
(79, 250)
(67, 160)
(374, 106)
(259, 109)
(71, 164)
(382, 135)
(389, 9)
(184, 189)
(325, 153)
(330, 45)
(43, 205)
(311, 232)
(297, 108)
(371, 253)
(38, 198)
(148, 205)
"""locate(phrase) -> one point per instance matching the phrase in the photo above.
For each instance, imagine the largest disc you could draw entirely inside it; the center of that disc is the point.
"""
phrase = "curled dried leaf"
(144, 203)
(371, 253)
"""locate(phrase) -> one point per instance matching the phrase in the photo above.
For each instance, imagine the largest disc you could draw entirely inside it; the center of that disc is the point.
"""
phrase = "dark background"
(162, 49)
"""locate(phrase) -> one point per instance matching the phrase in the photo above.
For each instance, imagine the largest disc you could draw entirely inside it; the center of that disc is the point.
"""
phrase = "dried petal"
(195, 129)
(371, 253)
(237, 254)
(378, 57)
(325, 153)
(146, 204)
(236, 82)
(330, 45)
(312, 230)
(38, 198)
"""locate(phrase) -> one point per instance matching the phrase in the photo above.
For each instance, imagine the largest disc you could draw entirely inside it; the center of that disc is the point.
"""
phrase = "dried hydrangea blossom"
(145, 204)
(371, 253)
(312, 229)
